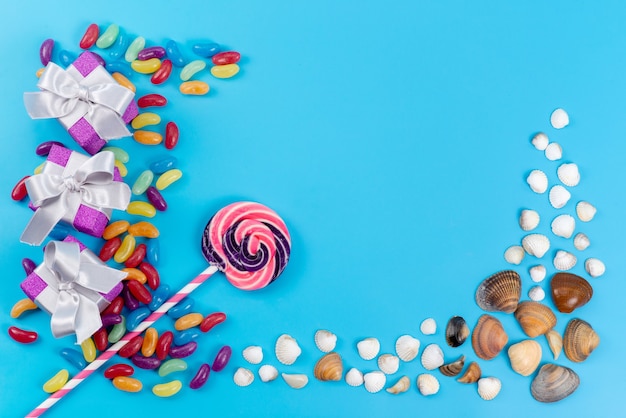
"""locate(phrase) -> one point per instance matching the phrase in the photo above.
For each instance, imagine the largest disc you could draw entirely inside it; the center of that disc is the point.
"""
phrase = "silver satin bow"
(92, 183)
(101, 103)
(78, 285)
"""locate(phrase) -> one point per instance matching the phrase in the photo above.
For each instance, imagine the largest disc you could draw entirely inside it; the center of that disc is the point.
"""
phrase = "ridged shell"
(553, 151)
(407, 347)
(428, 326)
(537, 273)
(529, 219)
(559, 119)
(536, 244)
(563, 226)
(243, 377)
(287, 349)
(540, 141)
(454, 368)
(569, 291)
(500, 292)
(368, 348)
(457, 331)
(564, 260)
(388, 363)
(536, 293)
(329, 368)
(581, 241)
(525, 357)
(253, 354)
(296, 381)
(559, 196)
(401, 386)
(374, 381)
(514, 254)
(585, 211)
(538, 181)
(594, 267)
(568, 174)
(267, 373)
(579, 340)
(471, 374)
(489, 387)
(432, 357)
(535, 318)
(488, 337)
(325, 340)
(354, 377)
(554, 383)
(427, 384)
(555, 342)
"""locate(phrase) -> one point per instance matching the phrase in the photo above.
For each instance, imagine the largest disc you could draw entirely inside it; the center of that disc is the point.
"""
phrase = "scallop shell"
(538, 181)
(489, 337)
(563, 226)
(325, 340)
(559, 196)
(457, 331)
(368, 348)
(594, 267)
(354, 377)
(555, 342)
(581, 241)
(407, 347)
(585, 211)
(454, 368)
(329, 368)
(569, 291)
(514, 254)
(553, 151)
(540, 141)
(559, 119)
(388, 363)
(471, 375)
(253, 354)
(432, 357)
(428, 326)
(243, 377)
(374, 381)
(401, 386)
(535, 318)
(500, 292)
(579, 340)
(568, 174)
(529, 219)
(427, 384)
(267, 373)
(554, 383)
(564, 260)
(296, 381)
(537, 273)
(489, 387)
(287, 349)
(536, 244)
(525, 357)
(536, 293)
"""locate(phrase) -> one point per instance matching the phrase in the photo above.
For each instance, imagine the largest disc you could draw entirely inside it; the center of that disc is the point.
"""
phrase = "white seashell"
(354, 377)
(388, 363)
(287, 349)
(253, 354)
(564, 260)
(563, 226)
(581, 241)
(427, 384)
(514, 254)
(489, 387)
(553, 151)
(540, 141)
(536, 244)
(428, 326)
(536, 293)
(400, 386)
(559, 196)
(528, 219)
(325, 340)
(243, 377)
(374, 381)
(538, 181)
(594, 267)
(296, 381)
(368, 348)
(432, 357)
(585, 211)
(568, 174)
(559, 119)
(267, 373)
(407, 347)
(537, 273)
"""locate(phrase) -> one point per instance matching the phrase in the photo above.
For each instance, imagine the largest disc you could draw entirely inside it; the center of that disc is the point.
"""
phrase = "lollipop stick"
(111, 351)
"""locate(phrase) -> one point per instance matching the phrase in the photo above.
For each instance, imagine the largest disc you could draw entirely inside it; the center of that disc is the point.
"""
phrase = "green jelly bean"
(133, 49)
(143, 182)
(190, 69)
(119, 153)
(171, 366)
(108, 37)
(165, 390)
(118, 331)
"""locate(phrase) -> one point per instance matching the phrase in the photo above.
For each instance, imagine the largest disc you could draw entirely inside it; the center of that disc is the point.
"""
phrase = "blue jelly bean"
(159, 296)
(173, 53)
(206, 49)
(120, 67)
(74, 357)
(136, 317)
(66, 57)
(186, 336)
(121, 45)
(153, 251)
(163, 165)
(59, 232)
(182, 308)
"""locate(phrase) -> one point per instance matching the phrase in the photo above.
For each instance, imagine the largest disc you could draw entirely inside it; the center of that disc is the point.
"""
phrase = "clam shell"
(538, 181)
(585, 211)
(287, 349)
(536, 244)
(564, 260)
(407, 347)
(581, 241)
(457, 331)
(568, 174)
(354, 377)
(471, 374)
(555, 342)
(253, 354)
(368, 348)
(325, 340)
(536, 293)
(488, 337)
(559, 196)
(535, 318)
(553, 151)
(428, 326)
(514, 254)
(296, 381)
(454, 368)
(579, 340)
(529, 219)
(559, 119)
(489, 387)
(525, 357)
(432, 357)
(374, 381)
(537, 273)
(267, 373)
(401, 386)
(563, 226)
(427, 384)
(554, 383)
(388, 363)
(540, 141)
(329, 368)
(500, 292)
(243, 377)
(569, 291)
(594, 267)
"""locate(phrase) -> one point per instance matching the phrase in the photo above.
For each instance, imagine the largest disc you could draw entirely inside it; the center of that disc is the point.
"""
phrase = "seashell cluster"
(554, 383)
(427, 384)
(287, 349)
(569, 291)
(368, 348)
(457, 331)
(535, 318)
(489, 387)
(579, 340)
(329, 368)
(407, 347)
(488, 337)
(500, 292)
(325, 340)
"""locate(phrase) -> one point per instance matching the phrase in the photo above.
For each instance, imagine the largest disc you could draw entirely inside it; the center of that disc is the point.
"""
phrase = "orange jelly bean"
(125, 250)
(143, 229)
(188, 321)
(124, 82)
(148, 137)
(149, 342)
(127, 384)
(22, 306)
(114, 229)
(194, 88)
(135, 274)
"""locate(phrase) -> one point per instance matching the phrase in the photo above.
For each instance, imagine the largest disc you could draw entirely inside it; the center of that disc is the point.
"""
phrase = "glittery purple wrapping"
(85, 63)
(71, 238)
(33, 285)
(131, 112)
(59, 155)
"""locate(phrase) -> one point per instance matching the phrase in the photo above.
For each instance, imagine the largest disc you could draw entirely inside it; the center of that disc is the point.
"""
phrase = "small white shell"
(243, 377)
(538, 181)
(568, 174)
(368, 348)
(427, 384)
(407, 347)
(537, 273)
(528, 219)
(388, 363)
(296, 381)
(489, 387)
(428, 326)
(585, 211)
(563, 226)
(536, 293)
(581, 241)
(401, 386)
(564, 260)
(253, 354)
(325, 340)
(287, 349)
(432, 357)
(553, 151)
(267, 373)
(374, 381)
(540, 141)
(559, 196)
(594, 267)
(514, 254)
(536, 244)
(559, 119)
(354, 377)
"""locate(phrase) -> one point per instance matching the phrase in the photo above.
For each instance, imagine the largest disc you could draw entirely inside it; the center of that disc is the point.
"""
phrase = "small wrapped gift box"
(87, 101)
(79, 190)
(74, 286)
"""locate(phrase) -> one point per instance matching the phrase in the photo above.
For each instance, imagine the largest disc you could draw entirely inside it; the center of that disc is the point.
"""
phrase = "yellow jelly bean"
(224, 71)
(124, 82)
(127, 384)
(114, 229)
(125, 250)
(164, 390)
(89, 349)
(121, 168)
(148, 137)
(141, 209)
(143, 229)
(150, 340)
(40, 72)
(22, 306)
(39, 168)
(147, 66)
(145, 119)
(188, 321)
(135, 274)
(195, 88)
(167, 178)
(56, 382)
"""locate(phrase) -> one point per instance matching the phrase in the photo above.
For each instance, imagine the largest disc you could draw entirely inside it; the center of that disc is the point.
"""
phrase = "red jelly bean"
(22, 336)
(151, 100)
(19, 192)
(45, 51)
(109, 248)
(90, 37)
(101, 339)
(226, 57)
(152, 275)
(164, 344)
(139, 291)
(115, 307)
(171, 135)
(119, 369)
(163, 73)
(132, 347)
(137, 256)
(156, 198)
(212, 320)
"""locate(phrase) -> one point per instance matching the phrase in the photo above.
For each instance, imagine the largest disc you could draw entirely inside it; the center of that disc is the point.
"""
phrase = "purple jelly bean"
(110, 319)
(45, 51)
(221, 360)
(156, 198)
(129, 300)
(151, 52)
(43, 149)
(28, 265)
(185, 350)
(99, 58)
(149, 363)
(201, 377)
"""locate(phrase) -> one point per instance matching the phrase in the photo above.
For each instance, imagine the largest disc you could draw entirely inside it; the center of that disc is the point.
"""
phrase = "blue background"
(394, 139)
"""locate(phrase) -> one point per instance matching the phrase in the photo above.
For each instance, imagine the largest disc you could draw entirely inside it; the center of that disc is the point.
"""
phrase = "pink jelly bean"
(185, 350)
(156, 198)
(201, 377)
(151, 52)
(222, 358)
(45, 51)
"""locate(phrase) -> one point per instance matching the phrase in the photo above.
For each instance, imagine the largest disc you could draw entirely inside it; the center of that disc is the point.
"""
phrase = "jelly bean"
(115, 307)
(145, 119)
(120, 47)
(143, 229)
(132, 347)
(133, 49)
(135, 317)
(212, 320)
(154, 252)
(202, 375)
(194, 88)
(163, 73)
(119, 153)
(123, 81)
(28, 265)
(57, 381)
(160, 295)
(121, 168)
(99, 58)
(117, 332)
(21, 306)
(119, 369)
(222, 358)
(66, 57)
(114, 229)
(90, 37)
(151, 52)
(186, 336)
(43, 149)
(40, 72)
(134, 274)
(127, 384)
(141, 209)
(74, 357)
(22, 336)
(109, 248)
(148, 363)
(137, 256)
(120, 67)
(152, 275)
(182, 308)
(139, 291)
(185, 350)
(59, 232)
(164, 164)
(151, 100)
(39, 168)
(149, 342)
(206, 50)
(148, 137)
(108, 37)
(164, 390)
(224, 71)
(171, 135)
(167, 178)
(110, 319)
(171, 366)
(89, 350)
(164, 344)
(173, 53)
(192, 68)
(129, 300)
(156, 198)
(146, 67)
(101, 339)
(143, 181)
(126, 249)
(226, 57)
(188, 321)
(19, 191)
(45, 51)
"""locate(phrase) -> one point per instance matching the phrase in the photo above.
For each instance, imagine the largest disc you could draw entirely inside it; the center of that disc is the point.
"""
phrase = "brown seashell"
(489, 337)
(472, 373)
(569, 291)
(454, 368)
(457, 331)
(329, 367)
(525, 357)
(500, 292)
(579, 340)
(535, 318)
(554, 383)
(555, 342)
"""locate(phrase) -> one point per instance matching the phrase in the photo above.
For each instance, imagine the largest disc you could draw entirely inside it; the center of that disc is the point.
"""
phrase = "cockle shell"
(374, 381)
(537, 273)
(555, 342)
(569, 291)
(488, 337)
(432, 357)
(563, 226)
(253, 354)
(325, 340)
(540, 141)
(559, 119)
(471, 375)
(525, 357)
(489, 387)
(457, 331)
(559, 196)
(499, 292)
(536, 293)
(267, 373)
(368, 348)
(401, 386)
(407, 347)
(296, 381)
(536, 244)
(554, 383)
(428, 326)
(529, 219)
(287, 349)
(354, 377)
(538, 181)
(243, 377)
(514, 254)
(388, 363)
(579, 340)
(329, 368)
(585, 211)
(553, 151)
(568, 174)
(594, 267)
(427, 384)
(535, 318)
(564, 260)
(454, 368)
(581, 241)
